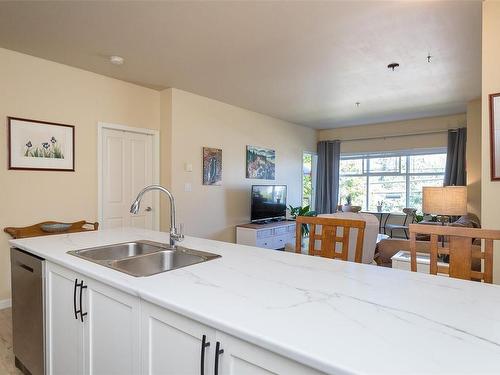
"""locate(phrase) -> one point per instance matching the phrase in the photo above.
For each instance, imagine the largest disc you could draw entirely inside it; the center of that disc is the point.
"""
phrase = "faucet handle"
(180, 232)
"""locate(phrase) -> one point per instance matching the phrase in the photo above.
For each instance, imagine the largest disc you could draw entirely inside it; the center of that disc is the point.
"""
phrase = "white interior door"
(127, 167)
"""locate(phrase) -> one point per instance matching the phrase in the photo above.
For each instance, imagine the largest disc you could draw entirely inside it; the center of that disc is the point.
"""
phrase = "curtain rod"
(397, 135)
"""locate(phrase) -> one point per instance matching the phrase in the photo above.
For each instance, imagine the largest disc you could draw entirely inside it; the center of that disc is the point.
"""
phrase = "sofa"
(387, 248)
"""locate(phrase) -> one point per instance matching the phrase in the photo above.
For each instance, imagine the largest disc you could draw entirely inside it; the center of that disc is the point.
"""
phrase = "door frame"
(156, 165)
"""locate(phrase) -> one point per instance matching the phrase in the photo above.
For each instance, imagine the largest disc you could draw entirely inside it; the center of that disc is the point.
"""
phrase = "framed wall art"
(212, 166)
(40, 145)
(261, 163)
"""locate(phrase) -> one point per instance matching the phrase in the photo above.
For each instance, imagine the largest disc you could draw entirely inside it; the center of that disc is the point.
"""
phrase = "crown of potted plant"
(380, 206)
(302, 211)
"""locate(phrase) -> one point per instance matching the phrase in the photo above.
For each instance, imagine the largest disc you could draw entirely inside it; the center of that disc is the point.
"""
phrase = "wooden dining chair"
(460, 248)
(325, 230)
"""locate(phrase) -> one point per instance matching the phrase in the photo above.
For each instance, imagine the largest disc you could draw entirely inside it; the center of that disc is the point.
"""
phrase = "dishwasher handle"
(26, 262)
(25, 266)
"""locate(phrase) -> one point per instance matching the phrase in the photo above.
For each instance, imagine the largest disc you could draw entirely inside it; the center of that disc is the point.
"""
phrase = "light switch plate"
(188, 167)
(188, 187)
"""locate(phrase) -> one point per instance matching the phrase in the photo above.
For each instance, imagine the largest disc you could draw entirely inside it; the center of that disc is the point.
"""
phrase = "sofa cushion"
(468, 221)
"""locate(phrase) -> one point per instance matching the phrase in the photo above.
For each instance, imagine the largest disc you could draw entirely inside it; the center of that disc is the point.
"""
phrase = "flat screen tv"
(268, 202)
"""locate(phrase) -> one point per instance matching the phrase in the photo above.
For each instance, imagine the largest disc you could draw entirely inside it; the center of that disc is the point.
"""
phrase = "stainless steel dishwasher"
(28, 311)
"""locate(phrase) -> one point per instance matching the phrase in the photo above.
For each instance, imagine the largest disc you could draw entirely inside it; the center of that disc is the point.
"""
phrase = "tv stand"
(273, 235)
(269, 221)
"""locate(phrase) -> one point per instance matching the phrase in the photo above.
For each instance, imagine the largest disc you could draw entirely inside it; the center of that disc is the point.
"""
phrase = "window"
(309, 161)
(395, 180)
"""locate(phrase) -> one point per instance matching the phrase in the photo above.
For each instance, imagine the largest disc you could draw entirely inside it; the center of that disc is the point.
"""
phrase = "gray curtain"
(455, 173)
(327, 181)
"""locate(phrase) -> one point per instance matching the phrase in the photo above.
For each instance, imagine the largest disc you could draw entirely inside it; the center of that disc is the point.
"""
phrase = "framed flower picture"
(40, 145)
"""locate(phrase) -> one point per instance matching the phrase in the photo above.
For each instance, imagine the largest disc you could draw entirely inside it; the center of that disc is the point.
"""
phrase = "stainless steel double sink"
(143, 258)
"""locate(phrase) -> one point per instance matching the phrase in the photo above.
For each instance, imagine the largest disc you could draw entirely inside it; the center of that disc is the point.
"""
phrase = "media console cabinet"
(274, 235)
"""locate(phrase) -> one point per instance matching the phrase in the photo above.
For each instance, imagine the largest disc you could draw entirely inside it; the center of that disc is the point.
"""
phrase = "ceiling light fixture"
(358, 104)
(429, 57)
(116, 60)
(393, 66)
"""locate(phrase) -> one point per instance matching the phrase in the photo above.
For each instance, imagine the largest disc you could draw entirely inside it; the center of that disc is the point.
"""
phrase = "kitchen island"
(271, 312)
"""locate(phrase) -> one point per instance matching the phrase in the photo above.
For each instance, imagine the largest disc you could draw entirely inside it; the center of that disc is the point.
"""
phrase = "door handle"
(204, 344)
(148, 209)
(82, 314)
(218, 352)
(74, 299)
(79, 310)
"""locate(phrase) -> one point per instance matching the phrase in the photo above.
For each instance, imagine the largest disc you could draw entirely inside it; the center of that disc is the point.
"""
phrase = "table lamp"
(445, 201)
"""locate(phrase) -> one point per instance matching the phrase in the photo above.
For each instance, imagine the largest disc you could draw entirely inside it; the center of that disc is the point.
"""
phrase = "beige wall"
(490, 84)
(213, 211)
(473, 157)
(42, 90)
(395, 128)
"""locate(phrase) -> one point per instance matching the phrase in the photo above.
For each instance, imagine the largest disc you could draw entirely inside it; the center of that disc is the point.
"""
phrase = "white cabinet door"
(106, 342)
(112, 331)
(64, 332)
(242, 358)
(172, 344)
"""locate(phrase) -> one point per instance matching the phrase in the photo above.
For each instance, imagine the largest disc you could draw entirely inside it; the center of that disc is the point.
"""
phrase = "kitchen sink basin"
(143, 258)
(119, 251)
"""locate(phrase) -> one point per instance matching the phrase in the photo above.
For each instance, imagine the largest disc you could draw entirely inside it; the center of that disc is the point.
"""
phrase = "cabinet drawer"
(280, 231)
(268, 243)
(281, 241)
(263, 233)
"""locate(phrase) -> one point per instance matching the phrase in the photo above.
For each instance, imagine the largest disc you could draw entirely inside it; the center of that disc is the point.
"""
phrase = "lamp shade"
(449, 200)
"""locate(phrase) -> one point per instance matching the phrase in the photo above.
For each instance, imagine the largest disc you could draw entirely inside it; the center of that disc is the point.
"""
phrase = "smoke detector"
(116, 60)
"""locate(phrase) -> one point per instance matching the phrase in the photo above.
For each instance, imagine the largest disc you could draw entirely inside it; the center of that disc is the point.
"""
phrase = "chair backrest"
(411, 215)
(460, 250)
(325, 230)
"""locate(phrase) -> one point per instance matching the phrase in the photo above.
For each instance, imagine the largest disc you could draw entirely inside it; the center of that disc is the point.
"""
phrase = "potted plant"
(302, 211)
(380, 205)
(348, 206)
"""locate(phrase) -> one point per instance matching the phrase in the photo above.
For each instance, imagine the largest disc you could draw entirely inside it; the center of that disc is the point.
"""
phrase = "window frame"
(404, 157)
(314, 166)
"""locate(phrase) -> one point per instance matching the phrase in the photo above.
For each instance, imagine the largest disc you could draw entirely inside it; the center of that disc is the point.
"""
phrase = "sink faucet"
(175, 236)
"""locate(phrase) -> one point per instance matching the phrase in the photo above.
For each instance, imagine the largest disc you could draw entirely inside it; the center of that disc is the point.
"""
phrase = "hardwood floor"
(7, 366)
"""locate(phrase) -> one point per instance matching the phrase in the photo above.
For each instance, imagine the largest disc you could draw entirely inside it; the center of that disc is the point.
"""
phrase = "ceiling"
(305, 62)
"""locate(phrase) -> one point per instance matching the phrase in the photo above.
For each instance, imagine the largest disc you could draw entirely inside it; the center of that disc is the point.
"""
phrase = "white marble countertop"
(338, 317)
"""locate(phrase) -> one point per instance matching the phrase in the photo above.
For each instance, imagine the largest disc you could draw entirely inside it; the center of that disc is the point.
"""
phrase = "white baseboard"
(5, 303)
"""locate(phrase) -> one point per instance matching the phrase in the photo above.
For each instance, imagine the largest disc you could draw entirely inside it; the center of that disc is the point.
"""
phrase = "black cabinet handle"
(78, 310)
(204, 344)
(74, 299)
(218, 352)
(82, 314)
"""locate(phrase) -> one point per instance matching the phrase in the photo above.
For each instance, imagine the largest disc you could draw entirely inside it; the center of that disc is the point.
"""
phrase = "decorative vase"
(346, 208)
(379, 208)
